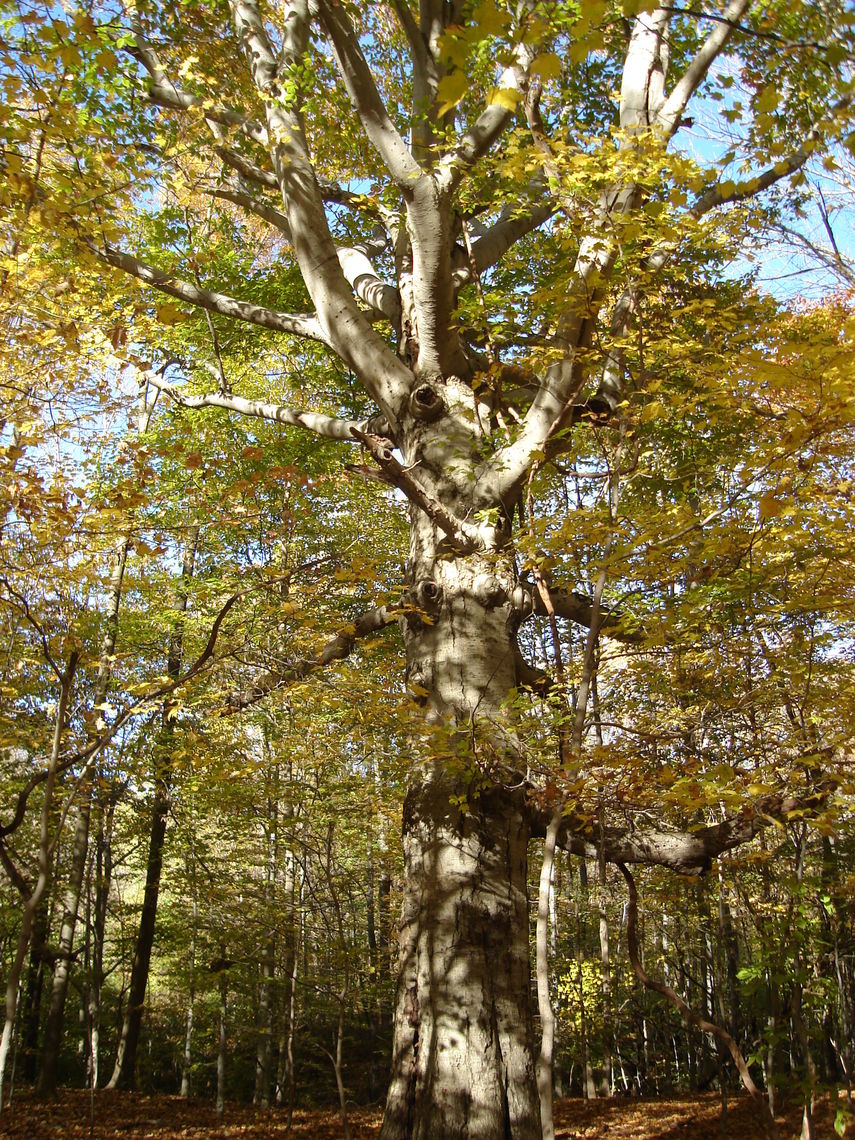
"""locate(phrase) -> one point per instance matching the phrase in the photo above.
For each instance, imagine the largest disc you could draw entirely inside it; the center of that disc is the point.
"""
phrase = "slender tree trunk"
(570, 751)
(344, 993)
(33, 991)
(797, 1006)
(103, 879)
(191, 988)
(589, 1088)
(285, 1062)
(544, 1001)
(15, 1036)
(264, 1047)
(338, 1065)
(124, 1071)
(52, 1042)
(264, 1051)
(286, 1076)
(606, 1084)
(223, 1037)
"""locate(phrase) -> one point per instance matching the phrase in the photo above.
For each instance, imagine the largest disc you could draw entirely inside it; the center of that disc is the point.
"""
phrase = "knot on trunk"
(522, 601)
(427, 595)
(489, 591)
(426, 404)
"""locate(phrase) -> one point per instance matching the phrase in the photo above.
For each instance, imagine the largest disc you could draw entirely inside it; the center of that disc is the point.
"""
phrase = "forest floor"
(170, 1118)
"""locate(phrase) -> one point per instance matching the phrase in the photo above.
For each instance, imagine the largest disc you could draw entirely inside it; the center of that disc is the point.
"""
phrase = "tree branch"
(757, 33)
(365, 98)
(329, 427)
(298, 324)
(164, 92)
(345, 327)
(358, 270)
(474, 143)
(494, 242)
(330, 191)
(336, 649)
(425, 79)
(669, 117)
(580, 609)
(253, 205)
(686, 852)
(246, 168)
(368, 286)
(738, 192)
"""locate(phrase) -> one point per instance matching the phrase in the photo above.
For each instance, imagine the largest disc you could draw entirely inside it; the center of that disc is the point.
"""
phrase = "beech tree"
(461, 212)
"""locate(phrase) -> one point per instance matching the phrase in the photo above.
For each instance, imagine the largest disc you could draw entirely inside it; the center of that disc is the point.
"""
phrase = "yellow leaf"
(770, 505)
(450, 90)
(170, 314)
(547, 65)
(490, 20)
(506, 97)
(767, 100)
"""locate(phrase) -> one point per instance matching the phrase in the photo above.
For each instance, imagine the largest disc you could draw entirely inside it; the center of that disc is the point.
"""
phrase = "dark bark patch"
(426, 404)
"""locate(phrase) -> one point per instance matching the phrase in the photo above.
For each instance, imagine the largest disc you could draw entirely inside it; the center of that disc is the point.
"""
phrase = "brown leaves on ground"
(123, 1114)
(697, 1117)
(170, 1118)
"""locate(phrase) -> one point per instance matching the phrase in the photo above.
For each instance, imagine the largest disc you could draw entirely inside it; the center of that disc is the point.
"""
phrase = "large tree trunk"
(463, 1059)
